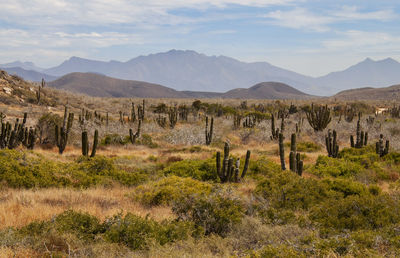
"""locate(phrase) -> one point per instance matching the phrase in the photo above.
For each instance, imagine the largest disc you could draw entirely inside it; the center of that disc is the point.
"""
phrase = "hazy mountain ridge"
(191, 71)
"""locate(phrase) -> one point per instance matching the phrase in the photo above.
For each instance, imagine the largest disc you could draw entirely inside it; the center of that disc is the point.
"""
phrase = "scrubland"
(162, 196)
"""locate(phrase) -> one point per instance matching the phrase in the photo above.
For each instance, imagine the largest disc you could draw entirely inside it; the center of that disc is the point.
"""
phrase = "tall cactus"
(295, 162)
(331, 144)
(134, 136)
(133, 114)
(282, 151)
(274, 132)
(319, 117)
(173, 116)
(209, 134)
(361, 136)
(380, 149)
(63, 132)
(229, 172)
(85, 143)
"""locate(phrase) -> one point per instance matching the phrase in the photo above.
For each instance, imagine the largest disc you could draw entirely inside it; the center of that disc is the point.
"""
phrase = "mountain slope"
(387, 93)
(368, 73)
(267, 90)
(187, 70)
(102, 86)
(29, 75)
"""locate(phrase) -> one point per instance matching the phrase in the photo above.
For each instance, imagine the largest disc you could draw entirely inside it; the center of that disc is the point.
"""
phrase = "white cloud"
(103, 12)
(362, 41)
(301, 18)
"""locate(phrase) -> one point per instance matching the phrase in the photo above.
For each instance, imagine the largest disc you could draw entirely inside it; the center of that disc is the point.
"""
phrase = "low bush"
(146, 140)
(130, 230)
(326, 166)
(216, 213)
(169, 190)
(137, 233)
(357, 212)
(27, 170)
(305, 146)
(114, 139)
(197, 169)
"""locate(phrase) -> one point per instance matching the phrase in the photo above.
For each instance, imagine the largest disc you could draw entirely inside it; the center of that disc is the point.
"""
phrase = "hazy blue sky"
(312, 37)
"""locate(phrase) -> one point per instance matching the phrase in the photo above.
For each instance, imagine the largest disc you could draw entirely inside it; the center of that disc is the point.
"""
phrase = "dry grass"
(20, 207)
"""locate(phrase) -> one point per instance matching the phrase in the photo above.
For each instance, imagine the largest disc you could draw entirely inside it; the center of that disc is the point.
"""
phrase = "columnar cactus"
(161, 121)
(134, 136)
(209, 133)
(380, 149)
(63, 132)
(331, 144)
(95, 143)
(229, 172)
(237, 118)
(361, 136)
(133, 114)
(282, 151)
(172, 116)
(319, 117)
(275, 132)
(85, 143)
(141, 111)
(295, 162)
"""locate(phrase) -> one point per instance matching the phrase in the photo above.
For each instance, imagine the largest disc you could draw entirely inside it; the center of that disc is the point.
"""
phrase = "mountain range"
(103, 86)
(191, 71)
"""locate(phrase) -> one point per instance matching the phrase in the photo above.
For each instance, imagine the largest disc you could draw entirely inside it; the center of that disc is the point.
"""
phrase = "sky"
(312, 37)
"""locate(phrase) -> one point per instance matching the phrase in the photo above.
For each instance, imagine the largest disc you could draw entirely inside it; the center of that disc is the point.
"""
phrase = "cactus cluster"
(275, 131)
(85, 143)
(332, 146)
(295, 162)
(141, 111)
(183, 112)
(249, 121)
(229, 172)
(134, 136)
(209, 133)
(361, 136)
(172, 116)
(161, 121)
(62, 133)
(380, 149)
(319, 117)
(237, 118)
(11, 138)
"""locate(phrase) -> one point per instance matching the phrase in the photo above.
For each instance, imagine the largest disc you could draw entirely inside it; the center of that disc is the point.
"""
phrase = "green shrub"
(288, 191)
(263, 166)
(305, 146)
(216, 213)
(28, 170)
(137, 232)
(357, 212)
(115, 139)
(197, 169)
(130, 230)
(326, 166)
(169, 190)
(146, 140)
